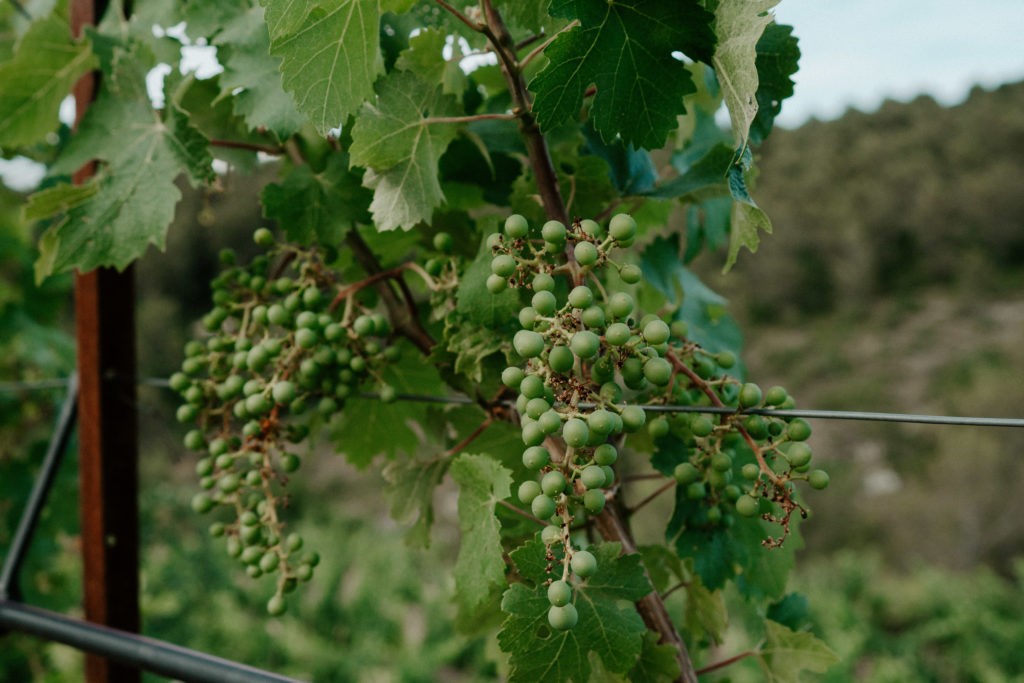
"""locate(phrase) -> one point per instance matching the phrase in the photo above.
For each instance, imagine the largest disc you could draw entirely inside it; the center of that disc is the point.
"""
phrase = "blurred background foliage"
(894, 282)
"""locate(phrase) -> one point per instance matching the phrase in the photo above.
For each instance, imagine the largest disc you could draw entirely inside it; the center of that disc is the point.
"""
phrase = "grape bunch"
(279, 360)
(591, 360)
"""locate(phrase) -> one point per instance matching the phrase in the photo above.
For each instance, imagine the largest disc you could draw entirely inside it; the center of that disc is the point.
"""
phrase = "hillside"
(895, 282)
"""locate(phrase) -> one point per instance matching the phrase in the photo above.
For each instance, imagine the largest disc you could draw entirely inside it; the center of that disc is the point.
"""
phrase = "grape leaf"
(539, 654)
(631, 170)
(368, 427)
(787, 653)
(764, 570)
(480, 568)
(625, 49)
(710, 170)
(747, 218)
(320, 206)
(45, 65)
(135, 200)
(777, 57)
(243, 49)
(57, 199)
(330, 55)
(656, 662)
(528, 14)
(702, 310)
(409, 493)
(741, 22)
(395, 140)
(425, 58)
(477, 304)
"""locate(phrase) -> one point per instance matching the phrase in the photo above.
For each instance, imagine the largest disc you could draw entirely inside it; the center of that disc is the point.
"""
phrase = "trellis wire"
(718, 410)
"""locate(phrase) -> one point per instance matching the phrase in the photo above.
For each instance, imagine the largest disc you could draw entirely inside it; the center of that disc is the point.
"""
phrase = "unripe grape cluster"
(591, 359)
(280, 358)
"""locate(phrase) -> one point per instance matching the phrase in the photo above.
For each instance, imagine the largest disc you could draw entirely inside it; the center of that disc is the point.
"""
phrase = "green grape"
(542, 507)
(512, 377)
(229, 483)
(533, 435)
(592, 477)
(633, 418)
(581, 296)
(747, 506)
(585, 344)
(775, 396)
(585, 253)
(290, 462)
(622, 227)
(503, 265)
(306, 319)
(443, 242)
(528, 490)
(561, 359)
(233, 546)
(750, 395)
(217, 529)
(192, 366)
(630, 274)
(593, 317)
(798, 430)
(605, 454)
(551, 535)
(732, 492)
(516, 226)
(283, 392)
(550, 422)
(593, 501)
(327, 406)
(304, 572)
(194, 440)
(278, 315)
(704, 368)
(592, 228)
(563, 618)
(701, 426)
(656, 332)
(528, 344)
(583, 564)
(602, 370)
(544, 303)
(755, 426)
(609, 475)
(575, 432)
(611, 392)
(257, 358)
(531, 386)
(256, 404)
(536, 457)
(658, 371)
(363, 325)
(496, 284)
(527, 316)
(542, 282)
(311, 297)
(696, 490)
(617, 334)
(725, 359)
(601, 422)
(553, 232)
(536, 407)
(818, 479)
(269, 562)
(721, 462)
(493, 240)
(658, 427)
(277, 606)
(552, 483)
(186, 413)
(388, 394)
(202, 503)
(179, 381)
(204, 467)
(685, 473)
(751, 471)
(620, 305)
(798, 454)
(559, 593)
(252, 553)
(358, 364)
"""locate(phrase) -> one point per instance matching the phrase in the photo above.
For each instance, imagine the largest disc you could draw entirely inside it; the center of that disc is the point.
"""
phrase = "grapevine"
(425, 250)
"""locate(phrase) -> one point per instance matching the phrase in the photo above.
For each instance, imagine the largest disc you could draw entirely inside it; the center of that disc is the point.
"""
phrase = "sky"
(857, 53)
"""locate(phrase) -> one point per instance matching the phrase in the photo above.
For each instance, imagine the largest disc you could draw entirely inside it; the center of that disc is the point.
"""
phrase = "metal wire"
(807, 414)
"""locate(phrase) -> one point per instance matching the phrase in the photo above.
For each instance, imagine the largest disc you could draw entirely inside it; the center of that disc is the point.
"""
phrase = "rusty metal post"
(108, 429)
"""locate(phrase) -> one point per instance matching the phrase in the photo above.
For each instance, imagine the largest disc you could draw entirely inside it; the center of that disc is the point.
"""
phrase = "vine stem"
(717, 402)
(540, 48)
(468, 119)
(275, 150)
(405, 321)
(648, 499)
(726, 662)
(469, 439)
(521, 513)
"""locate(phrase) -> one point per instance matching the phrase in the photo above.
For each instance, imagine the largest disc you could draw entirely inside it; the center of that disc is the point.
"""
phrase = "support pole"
(108, 429)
